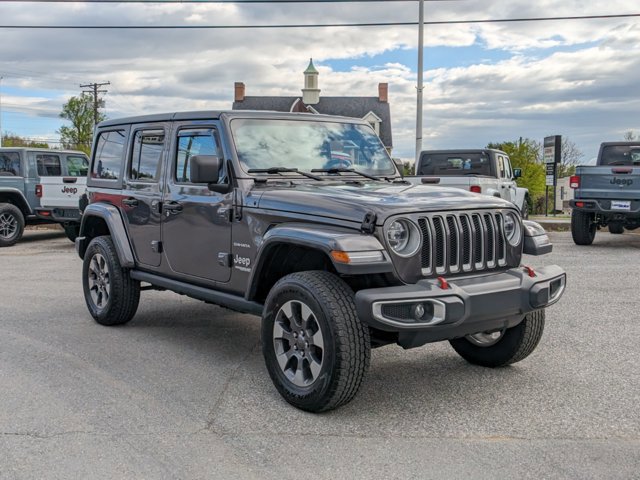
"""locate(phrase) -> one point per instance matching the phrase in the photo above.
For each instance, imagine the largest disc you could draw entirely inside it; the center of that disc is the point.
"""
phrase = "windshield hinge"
(368, 223)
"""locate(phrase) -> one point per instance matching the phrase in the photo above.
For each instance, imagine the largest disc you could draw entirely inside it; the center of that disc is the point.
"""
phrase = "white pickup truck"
(484, 171)
(63, 180)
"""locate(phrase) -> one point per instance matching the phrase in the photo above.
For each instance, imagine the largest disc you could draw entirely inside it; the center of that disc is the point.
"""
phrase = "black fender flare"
(326, 240)
(115, 224)
(23, 204)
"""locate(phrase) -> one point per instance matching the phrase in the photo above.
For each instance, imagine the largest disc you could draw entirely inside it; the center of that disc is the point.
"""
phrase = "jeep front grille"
(462, 242)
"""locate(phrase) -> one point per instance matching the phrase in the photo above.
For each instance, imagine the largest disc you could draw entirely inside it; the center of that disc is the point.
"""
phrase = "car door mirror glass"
(517, 172)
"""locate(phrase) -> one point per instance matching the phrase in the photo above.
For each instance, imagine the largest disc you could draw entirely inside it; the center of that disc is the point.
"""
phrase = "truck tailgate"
(62, 192)
(608, 182)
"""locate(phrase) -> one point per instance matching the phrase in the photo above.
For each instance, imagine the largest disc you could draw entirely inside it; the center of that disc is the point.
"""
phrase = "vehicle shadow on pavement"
(41, 235)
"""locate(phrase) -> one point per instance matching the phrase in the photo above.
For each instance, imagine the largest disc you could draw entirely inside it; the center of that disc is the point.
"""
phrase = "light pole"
(1, 110)
(420, 81)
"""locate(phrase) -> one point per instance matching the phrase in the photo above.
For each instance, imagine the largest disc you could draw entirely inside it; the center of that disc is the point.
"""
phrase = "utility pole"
(94, 91)
(420, 82)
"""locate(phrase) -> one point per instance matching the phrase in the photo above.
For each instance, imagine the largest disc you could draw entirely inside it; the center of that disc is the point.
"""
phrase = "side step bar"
(226, 300)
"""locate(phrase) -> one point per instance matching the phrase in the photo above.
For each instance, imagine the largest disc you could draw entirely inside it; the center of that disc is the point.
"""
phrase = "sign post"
(551, 155)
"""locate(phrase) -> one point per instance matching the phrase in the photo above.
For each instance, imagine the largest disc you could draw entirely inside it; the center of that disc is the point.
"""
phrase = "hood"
(351, 201)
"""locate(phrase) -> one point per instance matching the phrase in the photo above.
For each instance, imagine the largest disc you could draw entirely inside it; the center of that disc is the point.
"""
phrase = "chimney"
(239, 91)
(383, 92)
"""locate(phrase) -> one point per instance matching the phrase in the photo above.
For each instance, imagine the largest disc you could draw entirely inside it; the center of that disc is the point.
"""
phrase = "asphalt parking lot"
(182, 392)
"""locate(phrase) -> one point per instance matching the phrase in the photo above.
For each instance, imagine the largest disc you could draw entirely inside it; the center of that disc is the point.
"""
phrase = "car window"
(48, 165)
(620, 155)
(146, 155)
(442, 165)
(501, 169)
(108, 157)
(10, 164)
(77, 166)
(507, 169)
(193, 142)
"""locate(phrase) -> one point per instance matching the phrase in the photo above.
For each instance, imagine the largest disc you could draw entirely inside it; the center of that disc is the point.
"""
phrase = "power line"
(96, 101)
(317, 25)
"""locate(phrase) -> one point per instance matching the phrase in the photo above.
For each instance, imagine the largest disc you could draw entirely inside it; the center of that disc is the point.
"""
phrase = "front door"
(505, 177)
(196, 225)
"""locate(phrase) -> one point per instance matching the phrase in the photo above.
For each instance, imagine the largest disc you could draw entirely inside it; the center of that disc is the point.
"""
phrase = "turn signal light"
(574, 181)
(475, 188)
(39, 190)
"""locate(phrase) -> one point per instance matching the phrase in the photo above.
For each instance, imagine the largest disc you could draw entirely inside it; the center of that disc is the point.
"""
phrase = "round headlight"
(512, 228)
(404, 237)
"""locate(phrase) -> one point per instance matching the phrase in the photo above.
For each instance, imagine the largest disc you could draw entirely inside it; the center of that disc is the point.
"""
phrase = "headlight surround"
(404, 237)
(512, 228)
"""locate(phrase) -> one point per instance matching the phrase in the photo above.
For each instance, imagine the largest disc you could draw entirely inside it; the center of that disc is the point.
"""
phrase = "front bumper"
(468, 305)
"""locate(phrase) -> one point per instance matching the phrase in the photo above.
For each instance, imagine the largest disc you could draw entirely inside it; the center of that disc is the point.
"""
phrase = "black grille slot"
(440, 241)
(477, 239)
(490, 251)
(453, 241)
(466, 240)
(426, 244)
(502, 254)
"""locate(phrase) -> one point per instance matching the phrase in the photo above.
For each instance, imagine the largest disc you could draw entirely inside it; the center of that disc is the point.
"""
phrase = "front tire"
(112, 296)
(503, 348)
(315, 348)
(11, 224)
(525, 209)
(583, 230)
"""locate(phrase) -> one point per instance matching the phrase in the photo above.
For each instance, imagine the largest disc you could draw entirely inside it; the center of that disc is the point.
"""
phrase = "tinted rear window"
(48, 165)
(10, 164)
(443, 164)
(109, 154)
(620, 155)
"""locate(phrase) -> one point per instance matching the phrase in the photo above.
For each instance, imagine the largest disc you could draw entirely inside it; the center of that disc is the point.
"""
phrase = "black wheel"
(616, 228)
(498, 349)
(72, 231)
(11, 224)
(583, 230)
(316, 349)
(111, 295)
(525, 209)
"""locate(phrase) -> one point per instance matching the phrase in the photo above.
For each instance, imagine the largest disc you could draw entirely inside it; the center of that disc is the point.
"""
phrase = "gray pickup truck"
(39, 186)
(305, 221)
(607, 194)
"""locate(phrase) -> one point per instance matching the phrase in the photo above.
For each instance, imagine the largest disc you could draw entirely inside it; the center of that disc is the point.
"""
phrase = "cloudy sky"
(484, 82)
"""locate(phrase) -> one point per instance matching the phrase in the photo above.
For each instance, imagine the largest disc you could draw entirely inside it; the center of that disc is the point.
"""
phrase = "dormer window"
(373, 120)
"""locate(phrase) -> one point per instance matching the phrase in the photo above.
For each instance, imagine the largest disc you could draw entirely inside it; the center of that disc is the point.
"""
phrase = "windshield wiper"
(278, 170)
(345, 170)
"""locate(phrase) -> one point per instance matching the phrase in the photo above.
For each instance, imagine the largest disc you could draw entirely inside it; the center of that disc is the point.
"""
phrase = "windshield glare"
(309, 145)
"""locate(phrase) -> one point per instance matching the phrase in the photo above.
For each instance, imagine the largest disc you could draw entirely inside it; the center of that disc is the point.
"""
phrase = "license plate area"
(621, 205)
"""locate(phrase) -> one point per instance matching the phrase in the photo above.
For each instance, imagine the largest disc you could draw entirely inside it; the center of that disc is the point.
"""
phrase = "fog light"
(418, 311)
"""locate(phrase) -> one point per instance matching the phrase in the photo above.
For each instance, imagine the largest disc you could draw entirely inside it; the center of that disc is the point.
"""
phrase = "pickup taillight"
(475, 188)
(574, 181)
(39, 190)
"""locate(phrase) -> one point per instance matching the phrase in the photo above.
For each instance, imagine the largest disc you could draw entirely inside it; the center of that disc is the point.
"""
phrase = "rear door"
(143, 192)
(196, 225)
(63, 180)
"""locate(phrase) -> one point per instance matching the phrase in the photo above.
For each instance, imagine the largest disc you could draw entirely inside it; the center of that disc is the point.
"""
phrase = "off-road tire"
(616, 228)
(124, 294)
(346, 348)
(72, 231)
(583, 230)
(11, 224)
(516, 344)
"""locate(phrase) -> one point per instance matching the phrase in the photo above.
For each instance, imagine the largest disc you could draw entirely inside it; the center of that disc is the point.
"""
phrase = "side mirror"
(517, 172)
(204, 168)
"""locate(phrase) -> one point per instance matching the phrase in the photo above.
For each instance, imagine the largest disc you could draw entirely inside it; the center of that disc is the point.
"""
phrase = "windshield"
(309, 145)
(443, 164)
(620, 155)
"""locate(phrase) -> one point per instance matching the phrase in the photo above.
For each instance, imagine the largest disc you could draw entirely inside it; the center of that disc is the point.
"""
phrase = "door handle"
(172, 207)
(130, 202)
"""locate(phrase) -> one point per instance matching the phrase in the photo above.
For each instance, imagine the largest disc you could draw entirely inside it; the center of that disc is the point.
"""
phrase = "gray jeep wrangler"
(305, 220)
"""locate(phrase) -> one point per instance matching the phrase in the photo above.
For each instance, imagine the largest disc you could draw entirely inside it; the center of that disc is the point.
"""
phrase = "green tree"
(13, 140)
(630, 136)
(525, 154)
(79, 111)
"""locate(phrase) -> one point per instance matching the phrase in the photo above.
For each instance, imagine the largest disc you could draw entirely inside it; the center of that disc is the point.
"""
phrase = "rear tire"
(11, 224)
(616, 228)
(315, 348)
(72, 231)
(583, 230)
(513, 344)
(112, 296)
